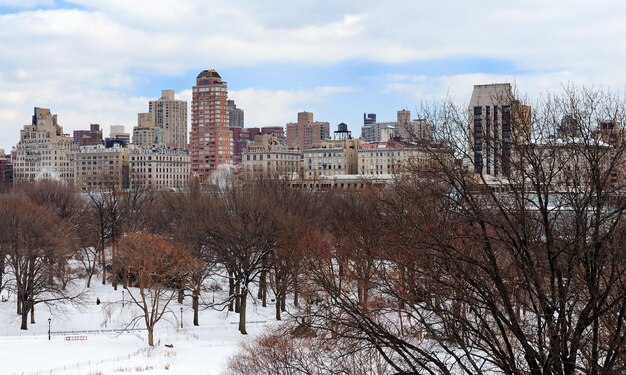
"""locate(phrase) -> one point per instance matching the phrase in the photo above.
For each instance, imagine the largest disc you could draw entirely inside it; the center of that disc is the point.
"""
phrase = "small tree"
(155, 263)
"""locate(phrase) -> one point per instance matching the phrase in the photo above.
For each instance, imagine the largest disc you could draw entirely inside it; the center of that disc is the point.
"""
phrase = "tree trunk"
(151, 336)
(195, 303)
(283, 302)
(242, 311)
(296, 295)
(32, 315)
(181, 295)
(278, 307)
(231, 290)
(103, 261)
(24, 314)
(263, 289)
(237, 297)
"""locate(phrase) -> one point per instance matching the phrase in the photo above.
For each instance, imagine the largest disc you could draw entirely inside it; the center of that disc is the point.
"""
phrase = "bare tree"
(34, 240)
(153, 262)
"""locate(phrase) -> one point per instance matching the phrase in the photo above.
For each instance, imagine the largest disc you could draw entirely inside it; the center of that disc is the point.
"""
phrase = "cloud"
(89, 60)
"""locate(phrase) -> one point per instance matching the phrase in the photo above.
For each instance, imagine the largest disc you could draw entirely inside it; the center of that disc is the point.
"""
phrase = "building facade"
(170, 115)
(146, 133)
(93, 136)
(159, 168)
(392, 158)
(211, 143)
(268, 155)
(43, 151)
(101, 169)
(235, 115)
(494, 112)
(331, 158)
(306, 133)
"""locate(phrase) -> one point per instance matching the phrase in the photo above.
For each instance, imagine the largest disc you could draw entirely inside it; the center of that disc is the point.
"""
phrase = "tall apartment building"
(43, 151)
(146, 133)
(494, 112)
(235, 115)
(306, 133)
(211, 143)
(170, 115)
(93, 136)
(99, 168)
(159, 168)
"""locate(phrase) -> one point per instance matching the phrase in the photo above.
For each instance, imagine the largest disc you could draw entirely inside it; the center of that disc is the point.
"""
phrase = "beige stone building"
(170, 115)
(101, 169)
(43, 151)
(159, 168)
(146, 133)
(332, 158)
(392, 158)
(266, 154)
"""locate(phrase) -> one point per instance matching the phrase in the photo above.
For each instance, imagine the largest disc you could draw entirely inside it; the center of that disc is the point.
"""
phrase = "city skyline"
(103, 61)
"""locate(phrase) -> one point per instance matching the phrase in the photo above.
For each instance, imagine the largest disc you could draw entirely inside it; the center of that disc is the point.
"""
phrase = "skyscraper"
(211, 139)
(235, 115)
(170, 115)
(496, 120)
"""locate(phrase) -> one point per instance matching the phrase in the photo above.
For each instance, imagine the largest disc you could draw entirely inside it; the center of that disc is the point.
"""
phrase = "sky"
(101, 61)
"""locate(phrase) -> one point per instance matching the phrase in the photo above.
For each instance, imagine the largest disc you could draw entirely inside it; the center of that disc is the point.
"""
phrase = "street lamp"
(181, 317)
(49, 322)
(122, 298)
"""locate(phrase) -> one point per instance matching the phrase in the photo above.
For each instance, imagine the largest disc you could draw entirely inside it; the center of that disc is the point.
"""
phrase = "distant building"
(367, 130)
(494, 113)
(159, 168)
(117, 135)
(170, 115)
(266, 154)
(331, 158)
(99, 168)
(93, 136)
(306, 133)
(43, 151)
(146, 134)
(211, 143)
(393, 158)
(235, 115)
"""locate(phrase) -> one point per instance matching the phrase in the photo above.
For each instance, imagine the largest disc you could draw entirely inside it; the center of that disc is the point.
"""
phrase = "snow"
(111, 348)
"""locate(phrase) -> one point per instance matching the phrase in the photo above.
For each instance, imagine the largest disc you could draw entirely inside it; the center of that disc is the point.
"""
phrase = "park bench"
(75, 338)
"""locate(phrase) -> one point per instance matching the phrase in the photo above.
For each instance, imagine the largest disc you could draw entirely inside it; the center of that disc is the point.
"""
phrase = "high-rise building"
(170, 115)
(306, 133)
(367, 130)
(43, 151)
(211, 139)
(235, 115)
(90, 137)
(494, 112)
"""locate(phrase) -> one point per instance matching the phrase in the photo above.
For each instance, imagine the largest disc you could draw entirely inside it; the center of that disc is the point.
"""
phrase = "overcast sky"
(101, 61)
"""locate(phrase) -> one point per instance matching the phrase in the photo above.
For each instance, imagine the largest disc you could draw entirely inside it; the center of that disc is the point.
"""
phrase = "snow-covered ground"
(196, 350)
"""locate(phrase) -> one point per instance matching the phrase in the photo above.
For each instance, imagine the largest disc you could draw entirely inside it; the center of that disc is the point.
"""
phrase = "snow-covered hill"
(106, 350)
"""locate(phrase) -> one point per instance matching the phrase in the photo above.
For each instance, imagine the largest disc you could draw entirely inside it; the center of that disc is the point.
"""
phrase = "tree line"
(441, 271)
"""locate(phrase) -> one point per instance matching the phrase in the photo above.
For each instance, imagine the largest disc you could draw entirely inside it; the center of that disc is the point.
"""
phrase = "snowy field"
(196, 350)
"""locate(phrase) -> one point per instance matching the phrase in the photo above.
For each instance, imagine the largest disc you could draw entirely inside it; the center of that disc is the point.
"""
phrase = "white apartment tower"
(43, 151)
(171, 116)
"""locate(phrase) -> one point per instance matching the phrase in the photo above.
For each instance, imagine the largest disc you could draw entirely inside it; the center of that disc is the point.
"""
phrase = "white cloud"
(82, 62)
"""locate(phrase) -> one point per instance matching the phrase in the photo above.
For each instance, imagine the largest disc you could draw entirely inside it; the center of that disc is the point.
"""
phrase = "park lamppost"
(181, 317)
(49, 322)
